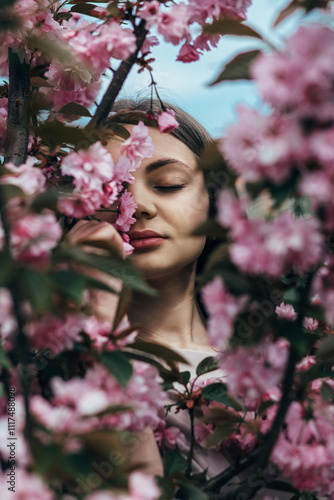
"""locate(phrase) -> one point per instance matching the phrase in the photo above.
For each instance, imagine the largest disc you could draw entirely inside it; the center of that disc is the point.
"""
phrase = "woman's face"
(172, 201)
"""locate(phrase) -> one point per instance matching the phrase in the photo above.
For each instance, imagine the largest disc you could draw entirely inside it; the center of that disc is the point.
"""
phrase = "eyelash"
(177, 187)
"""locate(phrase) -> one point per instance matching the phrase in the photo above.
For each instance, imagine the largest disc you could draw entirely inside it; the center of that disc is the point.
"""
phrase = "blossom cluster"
(175, 24)
(269, 246)
(91, 46)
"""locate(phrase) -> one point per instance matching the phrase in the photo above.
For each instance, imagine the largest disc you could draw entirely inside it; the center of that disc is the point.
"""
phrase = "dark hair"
(189, 131)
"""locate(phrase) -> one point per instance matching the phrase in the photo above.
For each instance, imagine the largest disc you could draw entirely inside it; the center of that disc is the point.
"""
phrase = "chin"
(154, 268)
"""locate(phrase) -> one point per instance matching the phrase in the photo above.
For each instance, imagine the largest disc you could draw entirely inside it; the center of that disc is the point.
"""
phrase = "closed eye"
(175, 187)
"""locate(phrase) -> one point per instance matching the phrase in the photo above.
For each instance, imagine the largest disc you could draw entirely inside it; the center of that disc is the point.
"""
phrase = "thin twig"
(192, 443)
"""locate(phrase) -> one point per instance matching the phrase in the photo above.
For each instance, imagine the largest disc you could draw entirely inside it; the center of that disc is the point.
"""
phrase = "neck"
(172, 318)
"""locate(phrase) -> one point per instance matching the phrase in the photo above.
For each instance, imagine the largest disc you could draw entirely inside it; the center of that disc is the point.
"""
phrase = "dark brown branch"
(16, 146)
(118, 80)
(192, 443)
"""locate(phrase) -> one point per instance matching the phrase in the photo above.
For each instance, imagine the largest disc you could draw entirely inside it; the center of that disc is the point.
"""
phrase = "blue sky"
(187, 84)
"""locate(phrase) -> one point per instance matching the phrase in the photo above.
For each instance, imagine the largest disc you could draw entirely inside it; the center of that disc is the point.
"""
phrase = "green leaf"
(55, 133)
(220, 433)
(326, 348)
(237, 68)
(38, 82)
(282, 486)
(118, 365)
(35, 287)
(174, 462)
(167, 375)
(72, 284)
(327, 392)
(49, 198)
(167, 488)
(73, 108)
(9, 191)
(4, 360)
(158, 350)
(230, 27)
(218, 392)
(192, 492)
(185, 376)
(280, 193)
(300, 341)
(208, 364)
(118, 268)
(83, 8)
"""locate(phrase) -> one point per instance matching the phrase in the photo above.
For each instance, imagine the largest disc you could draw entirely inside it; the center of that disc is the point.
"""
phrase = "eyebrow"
(163, 162)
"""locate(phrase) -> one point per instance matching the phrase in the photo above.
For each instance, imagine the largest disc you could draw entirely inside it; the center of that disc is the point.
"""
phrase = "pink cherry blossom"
(150, 12)
(304, 450)
(204, 40)
(127, 247)
(80, 203)
(167, 121)
(188, 53)
(85, 97)
(260, 146)
(55, 334)
(33, 237)
(299, 78)
(250, 372)
(231, 212)
(27, 177)
(174, 24)
(318, 186)
(170, 437)
(90, 168)
(150, 41)
(286, 311)
(3, 122)
(7, 320)
(113, 41)
(123, 169)
(139, 145)
(127, 208)
(273, 247)
(223, 309)
(143, 487)
(311, 324)
(203, 9)
(323, 287)
(98, 389)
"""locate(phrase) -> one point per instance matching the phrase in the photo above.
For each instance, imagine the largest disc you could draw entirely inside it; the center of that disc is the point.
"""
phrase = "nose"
(146, 207)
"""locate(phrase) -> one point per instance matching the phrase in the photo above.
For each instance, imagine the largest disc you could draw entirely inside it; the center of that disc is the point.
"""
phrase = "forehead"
(165, 146)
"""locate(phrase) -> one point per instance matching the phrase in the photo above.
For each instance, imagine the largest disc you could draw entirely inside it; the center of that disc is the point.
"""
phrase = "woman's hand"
(100, 238)
(96, 237)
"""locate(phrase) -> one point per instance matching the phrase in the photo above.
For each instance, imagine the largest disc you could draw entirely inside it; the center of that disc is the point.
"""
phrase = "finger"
(98, 234)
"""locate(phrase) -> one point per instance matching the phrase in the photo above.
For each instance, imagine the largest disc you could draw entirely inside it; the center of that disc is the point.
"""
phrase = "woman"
(172, 201)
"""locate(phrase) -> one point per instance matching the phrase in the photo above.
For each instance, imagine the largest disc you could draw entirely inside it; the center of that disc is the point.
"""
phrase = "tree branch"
(16, 145)
(192, 443)
(118, 80)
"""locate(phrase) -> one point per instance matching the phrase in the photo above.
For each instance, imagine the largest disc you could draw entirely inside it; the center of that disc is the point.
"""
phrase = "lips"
(140, 235)
(146, 239)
